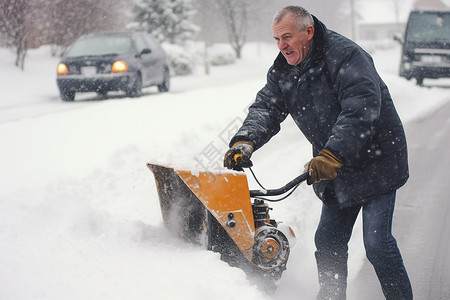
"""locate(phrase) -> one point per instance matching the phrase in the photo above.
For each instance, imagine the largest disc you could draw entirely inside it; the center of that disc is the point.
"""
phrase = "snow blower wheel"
(271, 248)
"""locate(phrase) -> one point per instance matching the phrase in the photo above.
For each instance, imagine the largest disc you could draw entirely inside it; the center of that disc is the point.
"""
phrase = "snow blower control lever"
(237, 156)
(274, 192)
(284, 189)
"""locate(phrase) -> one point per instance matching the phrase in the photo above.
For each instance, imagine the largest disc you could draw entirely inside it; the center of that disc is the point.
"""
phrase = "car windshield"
(429, 27)
(100, 45)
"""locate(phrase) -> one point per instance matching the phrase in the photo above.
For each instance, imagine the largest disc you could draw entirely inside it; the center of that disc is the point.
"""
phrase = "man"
(331, 89)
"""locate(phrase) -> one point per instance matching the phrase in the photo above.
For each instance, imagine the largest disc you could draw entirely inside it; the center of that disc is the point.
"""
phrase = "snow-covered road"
(79, 214)
(422, 217)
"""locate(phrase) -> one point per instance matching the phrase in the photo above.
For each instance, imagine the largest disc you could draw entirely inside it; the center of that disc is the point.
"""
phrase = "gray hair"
(302, 17)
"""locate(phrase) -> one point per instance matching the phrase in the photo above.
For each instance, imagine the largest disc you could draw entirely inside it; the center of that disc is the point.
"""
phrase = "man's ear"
(310, 32)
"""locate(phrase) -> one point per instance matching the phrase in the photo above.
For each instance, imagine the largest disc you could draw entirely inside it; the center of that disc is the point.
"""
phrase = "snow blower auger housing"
(216, 209)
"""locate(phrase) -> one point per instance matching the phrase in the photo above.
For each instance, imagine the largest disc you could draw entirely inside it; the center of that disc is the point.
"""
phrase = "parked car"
(113, 61)
(426, 45)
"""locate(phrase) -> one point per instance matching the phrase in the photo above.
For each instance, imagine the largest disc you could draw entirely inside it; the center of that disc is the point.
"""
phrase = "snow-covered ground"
(79, 213)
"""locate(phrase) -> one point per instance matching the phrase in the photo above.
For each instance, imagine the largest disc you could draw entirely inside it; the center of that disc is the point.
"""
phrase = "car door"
(151, 61)
(144, 61)
(159, 59)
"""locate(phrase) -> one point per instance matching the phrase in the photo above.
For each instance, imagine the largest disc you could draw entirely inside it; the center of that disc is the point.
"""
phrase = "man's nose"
(282, 45)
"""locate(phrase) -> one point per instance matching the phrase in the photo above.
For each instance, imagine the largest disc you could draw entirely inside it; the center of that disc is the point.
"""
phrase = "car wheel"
(67, 95)
(135, 88)
(165, 85)
(102, 94)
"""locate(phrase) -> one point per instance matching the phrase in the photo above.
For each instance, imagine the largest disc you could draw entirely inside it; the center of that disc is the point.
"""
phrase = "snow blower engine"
(217, 209)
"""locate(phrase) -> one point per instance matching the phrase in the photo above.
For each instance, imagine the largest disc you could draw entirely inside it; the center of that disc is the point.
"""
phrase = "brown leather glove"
(238, 156)
(322, 167)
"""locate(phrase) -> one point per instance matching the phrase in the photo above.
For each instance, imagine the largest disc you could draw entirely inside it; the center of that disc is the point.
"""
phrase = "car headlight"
(407, 66)
(62, 69)
(119, 66)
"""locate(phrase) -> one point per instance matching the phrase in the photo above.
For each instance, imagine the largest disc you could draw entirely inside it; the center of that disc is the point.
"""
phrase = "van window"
(428, 27)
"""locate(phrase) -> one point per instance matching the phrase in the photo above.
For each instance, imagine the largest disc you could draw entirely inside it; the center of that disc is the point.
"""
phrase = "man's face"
(294, 44)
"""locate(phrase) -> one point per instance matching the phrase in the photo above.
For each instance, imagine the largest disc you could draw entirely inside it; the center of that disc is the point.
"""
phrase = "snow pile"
(79, 214)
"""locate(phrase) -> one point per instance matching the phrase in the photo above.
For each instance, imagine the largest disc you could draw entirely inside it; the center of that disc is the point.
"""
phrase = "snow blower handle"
(275, 192)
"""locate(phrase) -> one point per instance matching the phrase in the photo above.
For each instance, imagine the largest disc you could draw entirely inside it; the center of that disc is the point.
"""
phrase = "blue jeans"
(332, 237)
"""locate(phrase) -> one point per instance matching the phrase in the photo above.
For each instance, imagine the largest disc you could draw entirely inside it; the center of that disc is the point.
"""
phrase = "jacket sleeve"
(264, 115)
(358, 90)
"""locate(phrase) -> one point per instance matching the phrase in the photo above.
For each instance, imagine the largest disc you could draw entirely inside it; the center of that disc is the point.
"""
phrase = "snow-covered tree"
(236, 15)
(26, 24)
(14, 24)
(168, 20)
(71, 19)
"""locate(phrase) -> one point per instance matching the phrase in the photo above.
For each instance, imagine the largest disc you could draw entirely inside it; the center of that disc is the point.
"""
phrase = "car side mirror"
(144, 51)
(398, 38)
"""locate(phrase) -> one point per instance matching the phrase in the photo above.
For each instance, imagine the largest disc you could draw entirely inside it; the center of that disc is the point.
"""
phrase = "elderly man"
(331, 89)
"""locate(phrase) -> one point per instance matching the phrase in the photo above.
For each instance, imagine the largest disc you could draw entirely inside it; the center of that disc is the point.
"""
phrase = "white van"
(426, 45)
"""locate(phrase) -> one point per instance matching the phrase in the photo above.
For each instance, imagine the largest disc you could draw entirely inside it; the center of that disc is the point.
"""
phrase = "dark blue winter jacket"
(339, 103)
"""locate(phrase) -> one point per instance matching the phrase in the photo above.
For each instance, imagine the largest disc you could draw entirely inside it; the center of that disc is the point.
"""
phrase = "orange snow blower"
(216, 209)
